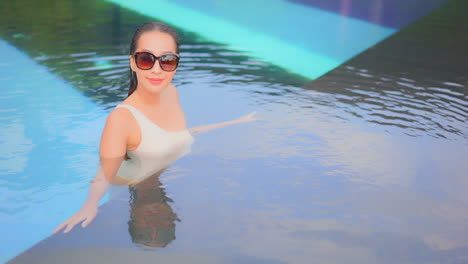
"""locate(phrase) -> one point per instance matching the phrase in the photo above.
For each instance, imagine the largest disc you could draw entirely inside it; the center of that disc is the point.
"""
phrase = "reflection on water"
(366, 164)
(152, 221)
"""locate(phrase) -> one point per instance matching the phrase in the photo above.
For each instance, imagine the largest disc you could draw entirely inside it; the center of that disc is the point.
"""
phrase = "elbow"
(193, 131)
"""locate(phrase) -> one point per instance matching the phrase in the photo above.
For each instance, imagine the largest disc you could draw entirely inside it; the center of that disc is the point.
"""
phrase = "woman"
(147, 131)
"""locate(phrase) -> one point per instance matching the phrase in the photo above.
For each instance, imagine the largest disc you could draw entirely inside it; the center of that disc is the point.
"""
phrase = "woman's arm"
(112, 153)
(202, 129)
(88, 211)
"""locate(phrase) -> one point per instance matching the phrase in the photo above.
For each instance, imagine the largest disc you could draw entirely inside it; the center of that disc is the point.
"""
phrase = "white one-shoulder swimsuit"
(157, 150)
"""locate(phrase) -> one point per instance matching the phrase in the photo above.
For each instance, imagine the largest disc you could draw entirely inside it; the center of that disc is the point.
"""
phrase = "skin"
(160, 103)
(121, 133)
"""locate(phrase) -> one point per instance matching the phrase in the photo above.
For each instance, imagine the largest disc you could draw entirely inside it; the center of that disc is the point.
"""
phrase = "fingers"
(69, 224)
(66, 224)
(59, 227)
(87, 221)
(70, 227)
(254, 117)
(250, 115)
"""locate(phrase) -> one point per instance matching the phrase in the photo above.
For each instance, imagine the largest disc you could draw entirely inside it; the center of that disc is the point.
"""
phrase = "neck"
(146, 99)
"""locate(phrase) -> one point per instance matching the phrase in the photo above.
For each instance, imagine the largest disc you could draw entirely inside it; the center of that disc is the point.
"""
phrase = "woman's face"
(155, 79)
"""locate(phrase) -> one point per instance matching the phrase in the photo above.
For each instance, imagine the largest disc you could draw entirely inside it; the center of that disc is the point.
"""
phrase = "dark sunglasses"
(145, 60)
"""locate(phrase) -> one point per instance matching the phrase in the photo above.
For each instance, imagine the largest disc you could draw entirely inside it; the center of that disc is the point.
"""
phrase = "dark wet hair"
(146, 27)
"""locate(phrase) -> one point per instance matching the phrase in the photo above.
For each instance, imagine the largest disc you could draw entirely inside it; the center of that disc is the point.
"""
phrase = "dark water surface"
(367, 164)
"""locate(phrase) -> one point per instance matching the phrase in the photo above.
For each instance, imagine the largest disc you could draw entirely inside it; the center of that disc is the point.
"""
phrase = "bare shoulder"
(118, 124)
(173, 93)
(115, 134)
(175, 105)
(173, 98)
(119, 117)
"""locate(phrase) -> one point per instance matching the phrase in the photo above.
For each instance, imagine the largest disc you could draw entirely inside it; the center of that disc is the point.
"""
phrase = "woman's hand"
(87, 213)
(248, 118)
(201, 129)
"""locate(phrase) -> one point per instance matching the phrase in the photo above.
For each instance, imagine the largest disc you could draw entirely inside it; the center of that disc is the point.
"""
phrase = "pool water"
(364, 164)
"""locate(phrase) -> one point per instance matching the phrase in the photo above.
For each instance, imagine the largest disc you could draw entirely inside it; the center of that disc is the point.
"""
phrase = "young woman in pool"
(147, 131)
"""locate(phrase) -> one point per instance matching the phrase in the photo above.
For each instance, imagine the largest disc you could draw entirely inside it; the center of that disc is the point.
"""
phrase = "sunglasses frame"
(156, 58)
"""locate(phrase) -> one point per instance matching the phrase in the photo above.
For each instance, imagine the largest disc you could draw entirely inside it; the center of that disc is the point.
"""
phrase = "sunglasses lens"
(144, 60)
(169, 62)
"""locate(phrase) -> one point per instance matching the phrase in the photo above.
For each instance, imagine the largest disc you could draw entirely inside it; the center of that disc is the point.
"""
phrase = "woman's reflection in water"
(152, 220)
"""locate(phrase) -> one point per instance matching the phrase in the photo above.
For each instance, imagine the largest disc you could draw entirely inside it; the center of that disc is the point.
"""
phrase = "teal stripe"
(304, 40)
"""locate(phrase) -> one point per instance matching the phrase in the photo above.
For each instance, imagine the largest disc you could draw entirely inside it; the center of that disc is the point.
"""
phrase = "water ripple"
(436, 108)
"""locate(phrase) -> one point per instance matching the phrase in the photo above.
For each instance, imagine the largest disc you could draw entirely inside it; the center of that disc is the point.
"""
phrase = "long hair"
(146, 27)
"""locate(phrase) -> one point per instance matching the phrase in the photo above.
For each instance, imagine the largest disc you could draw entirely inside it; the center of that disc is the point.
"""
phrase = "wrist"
(91, 204)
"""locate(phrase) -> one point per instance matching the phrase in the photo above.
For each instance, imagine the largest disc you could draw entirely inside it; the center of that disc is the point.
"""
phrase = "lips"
(155, 80)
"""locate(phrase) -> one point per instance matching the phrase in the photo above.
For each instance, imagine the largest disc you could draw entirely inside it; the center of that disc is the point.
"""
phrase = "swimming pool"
(364, 164)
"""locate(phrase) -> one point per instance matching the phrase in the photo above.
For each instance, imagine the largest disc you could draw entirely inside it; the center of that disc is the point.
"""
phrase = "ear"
(132, 64)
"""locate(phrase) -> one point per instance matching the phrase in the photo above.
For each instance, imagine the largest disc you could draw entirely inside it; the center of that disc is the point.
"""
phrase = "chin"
(156, 89)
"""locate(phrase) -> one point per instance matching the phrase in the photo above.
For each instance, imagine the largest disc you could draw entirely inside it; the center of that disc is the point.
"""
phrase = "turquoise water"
(365, 164)
(278, 36)
(40, 175)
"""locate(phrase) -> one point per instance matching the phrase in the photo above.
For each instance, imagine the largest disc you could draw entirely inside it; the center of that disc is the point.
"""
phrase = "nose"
(156, 66)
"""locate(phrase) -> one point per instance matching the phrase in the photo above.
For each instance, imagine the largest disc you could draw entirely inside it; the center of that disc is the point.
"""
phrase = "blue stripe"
(50, 137)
